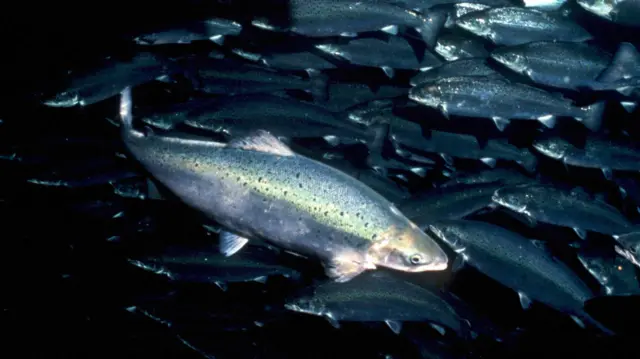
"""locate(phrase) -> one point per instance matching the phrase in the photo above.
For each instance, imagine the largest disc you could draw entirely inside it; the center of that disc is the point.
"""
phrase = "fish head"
(603, 8)
(408, 250)
(427, 94)
(553, 148)
(512, 198)
(448, 234)
(475, 23)
(64, 99)
(510, 59)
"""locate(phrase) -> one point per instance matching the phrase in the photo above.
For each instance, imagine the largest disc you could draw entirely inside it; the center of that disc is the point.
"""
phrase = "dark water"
(66, 287)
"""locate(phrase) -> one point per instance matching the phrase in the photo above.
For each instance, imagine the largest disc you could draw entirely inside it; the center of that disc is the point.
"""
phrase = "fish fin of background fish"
(593, 116)
(394, 325)
(491, 162)
(447, 159)
(439, 328)
(607, 173)
(391, 29)
(222, 285)
(530, 163)
(261, 279)
(624, 64)
(458, 264)
(152, 191)
(549, 121)
(501, 123)
(629, 106)
(262, 141)
(581, 233)
(584, 317)
(342, 270)
(231, 243)
(431, 29)
(390, 72)
(525, 302)
(333, 321)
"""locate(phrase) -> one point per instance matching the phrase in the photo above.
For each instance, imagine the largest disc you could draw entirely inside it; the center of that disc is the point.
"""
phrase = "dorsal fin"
(262, 141)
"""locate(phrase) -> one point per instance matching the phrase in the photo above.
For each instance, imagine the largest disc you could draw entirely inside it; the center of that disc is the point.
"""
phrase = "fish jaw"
(409, 250)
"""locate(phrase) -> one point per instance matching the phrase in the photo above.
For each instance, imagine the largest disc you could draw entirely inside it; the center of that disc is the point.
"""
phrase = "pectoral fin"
(343, 270)
(231, 243)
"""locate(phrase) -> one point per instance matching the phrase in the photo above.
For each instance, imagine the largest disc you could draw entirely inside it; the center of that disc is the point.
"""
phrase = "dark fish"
(212, 29)
(574, 209)
(377, 297)
(343, 95)
(389, 54)
(101, 84)
(567, 65)
(504, 176)
(323, 18)
(515, 26)
(239, 116)
(465, 146)
(596, 152)
(205, 264)
(624, 12)
(453, 202)
(264, 190)
(616, 275)
(454, 47)
(501, 101)
(292, 61)
(224, 77)
(463, 67)
(519, 264)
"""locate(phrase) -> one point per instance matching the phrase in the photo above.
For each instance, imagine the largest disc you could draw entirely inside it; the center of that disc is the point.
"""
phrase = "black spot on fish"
(244, 184)
(238, 178)
(285, 192)
(326, 213)
(341, 213)
(259, 179)
(298, 175)
(366, 225)
(300, 185)
(374, 236)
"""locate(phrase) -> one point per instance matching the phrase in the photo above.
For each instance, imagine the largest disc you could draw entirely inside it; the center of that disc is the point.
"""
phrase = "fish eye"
(416, 259)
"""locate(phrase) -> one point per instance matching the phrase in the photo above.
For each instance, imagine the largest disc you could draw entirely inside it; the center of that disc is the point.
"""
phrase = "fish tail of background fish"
(625, 64)
(592, 116)
(126, 114)
(529, 161)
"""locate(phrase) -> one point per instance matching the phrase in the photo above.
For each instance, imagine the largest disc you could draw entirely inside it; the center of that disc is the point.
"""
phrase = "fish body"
(573, 209)
(516, 26)
(517, 263)
(325, 18)
(508, 177)
(106, 82)
(237, 116)
(394, 52)
(206, 264)
(256, 187)
(453, 202)
(377, 296)
(501, 100)
(476, 66)
(567, 65)
(466, 146)
(212, 29)
(596, 153)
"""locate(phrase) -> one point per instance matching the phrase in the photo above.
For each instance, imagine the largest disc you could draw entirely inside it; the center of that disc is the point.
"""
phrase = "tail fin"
(625, 64)
(593, 116)
(433, 23)
(126, 114)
